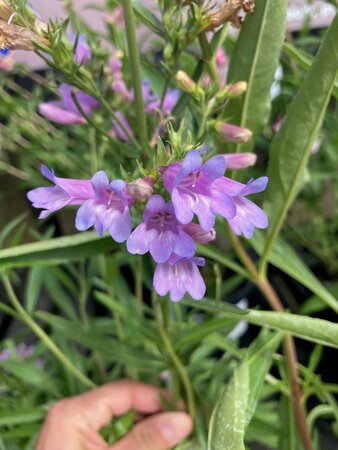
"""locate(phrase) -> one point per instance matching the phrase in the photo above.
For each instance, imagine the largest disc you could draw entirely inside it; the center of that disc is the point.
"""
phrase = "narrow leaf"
(255, 59)
(57, 250)
(291, 147)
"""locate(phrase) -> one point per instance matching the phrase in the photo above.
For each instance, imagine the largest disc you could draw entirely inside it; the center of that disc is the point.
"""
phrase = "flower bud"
(142, 188)
(185, 82)
(198, 234)
(188, 85)
(233, 133)
(240, 160)
(232, 91)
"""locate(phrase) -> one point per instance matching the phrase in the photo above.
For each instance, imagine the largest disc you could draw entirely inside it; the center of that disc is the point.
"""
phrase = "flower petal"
(53, 111)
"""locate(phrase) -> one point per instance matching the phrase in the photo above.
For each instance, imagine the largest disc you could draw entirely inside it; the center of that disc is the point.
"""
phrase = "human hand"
(74, 423)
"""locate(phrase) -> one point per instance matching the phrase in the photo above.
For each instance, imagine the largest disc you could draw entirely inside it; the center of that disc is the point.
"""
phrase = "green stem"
(25, 317)
(139, 285)
(134, 61)
(90, 121)
(209, 59)
(131, 138)
(174, 357)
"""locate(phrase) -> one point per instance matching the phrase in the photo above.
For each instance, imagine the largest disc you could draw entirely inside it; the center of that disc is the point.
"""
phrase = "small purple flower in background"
(160, 233)
(4, 354)
(248, 214)
(118, 85)
(21, 351)
(191, 185)
(153, 103)
(178, 276)
(108, 209)
(83, 52)
(67, 191)
(65, 111)
(118, 130)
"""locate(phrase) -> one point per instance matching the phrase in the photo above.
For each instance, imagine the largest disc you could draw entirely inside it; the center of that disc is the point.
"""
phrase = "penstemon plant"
(155, 143)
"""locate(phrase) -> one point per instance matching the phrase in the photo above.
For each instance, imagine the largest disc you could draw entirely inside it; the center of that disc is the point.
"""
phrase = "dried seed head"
(14, 37)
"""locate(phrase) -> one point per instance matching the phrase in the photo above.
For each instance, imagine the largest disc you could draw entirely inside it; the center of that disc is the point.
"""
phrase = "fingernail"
(174, 427)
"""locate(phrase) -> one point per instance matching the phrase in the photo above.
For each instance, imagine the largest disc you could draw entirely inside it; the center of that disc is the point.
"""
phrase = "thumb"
(160, 432)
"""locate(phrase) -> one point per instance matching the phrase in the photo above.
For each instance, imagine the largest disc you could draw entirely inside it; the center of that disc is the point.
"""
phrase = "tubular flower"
(83, 52)
(248, 214)
(160, 233)
(66, 191)
(191, 185)
(240, 160)
(178, 276)
(65, 111)
(118, 130)
(108, 209)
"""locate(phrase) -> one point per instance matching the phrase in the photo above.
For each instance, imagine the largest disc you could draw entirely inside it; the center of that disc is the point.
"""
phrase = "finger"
(160, 432)
(95, 408)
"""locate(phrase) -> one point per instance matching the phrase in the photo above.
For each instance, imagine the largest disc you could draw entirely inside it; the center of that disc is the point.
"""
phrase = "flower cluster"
(193, 189)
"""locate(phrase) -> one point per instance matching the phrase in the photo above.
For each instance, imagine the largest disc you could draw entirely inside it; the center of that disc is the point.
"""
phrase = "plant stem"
(139, 285)
(26, 318)
(134, 61)
(289, 346)
(174, 357)
(208, 59)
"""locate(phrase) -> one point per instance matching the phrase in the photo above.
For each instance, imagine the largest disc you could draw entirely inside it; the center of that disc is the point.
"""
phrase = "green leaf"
(57, 250)
(314, 330)
(287, 260)
(255, 59)
(119, 352)
(20, 416)
(147, 17)
(288, 434)
(291, 147)
(33, 288)
(228, 421)
(304, 59)
(32, 375)
(237, 405)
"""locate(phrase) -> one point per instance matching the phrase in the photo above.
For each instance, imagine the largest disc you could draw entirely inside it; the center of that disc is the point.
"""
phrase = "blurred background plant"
(75, 292)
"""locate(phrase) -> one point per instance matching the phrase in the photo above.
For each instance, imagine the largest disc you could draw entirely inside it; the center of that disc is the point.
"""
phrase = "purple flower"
(118, 130)
(108, 209)
(160, 233)
(65, 111)
(152, 102)
(4, 354)
(248, 214)
(83, 52)
(178, 276)
(192, 189)
(66, 191)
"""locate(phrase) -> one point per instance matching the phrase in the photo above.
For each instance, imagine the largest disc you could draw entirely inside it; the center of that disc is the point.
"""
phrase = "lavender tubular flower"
(108, 209)
(178, 276)
(65, 111)
(233, 133)
(83, 52)
(248, 214)
(118, 130)
(191, 185)
(66, 191)
(160, 233)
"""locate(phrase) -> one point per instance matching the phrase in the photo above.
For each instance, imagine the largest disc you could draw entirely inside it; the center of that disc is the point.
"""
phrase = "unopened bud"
(233, 133)
(240, 160)
(198, 234)
(232, 91)
(142, 188)
(185, 83)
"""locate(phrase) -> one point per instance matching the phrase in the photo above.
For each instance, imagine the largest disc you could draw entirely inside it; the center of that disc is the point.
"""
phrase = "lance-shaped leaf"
(255, 59)
(56, 251)
(237, 405)
(291, 147)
